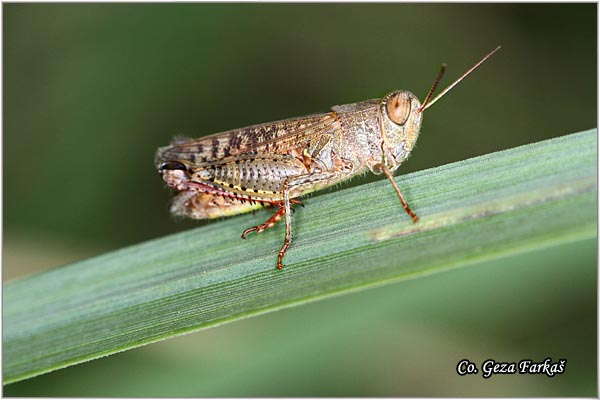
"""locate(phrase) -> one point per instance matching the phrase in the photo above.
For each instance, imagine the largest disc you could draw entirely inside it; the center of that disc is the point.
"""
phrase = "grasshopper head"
(401, 122)
(401, 118)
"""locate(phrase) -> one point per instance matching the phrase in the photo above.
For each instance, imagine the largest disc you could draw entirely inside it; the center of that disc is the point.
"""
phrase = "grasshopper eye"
(398, 107)
(172, 165)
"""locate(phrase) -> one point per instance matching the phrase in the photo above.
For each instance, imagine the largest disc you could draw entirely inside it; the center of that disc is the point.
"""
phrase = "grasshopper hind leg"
(268, 224)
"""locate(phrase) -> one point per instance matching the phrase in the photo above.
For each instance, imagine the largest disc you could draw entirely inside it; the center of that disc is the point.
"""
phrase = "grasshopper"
(240, 170)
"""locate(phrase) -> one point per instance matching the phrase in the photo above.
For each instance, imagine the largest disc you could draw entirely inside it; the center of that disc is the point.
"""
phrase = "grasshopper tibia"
(275, 218)
(405, 205)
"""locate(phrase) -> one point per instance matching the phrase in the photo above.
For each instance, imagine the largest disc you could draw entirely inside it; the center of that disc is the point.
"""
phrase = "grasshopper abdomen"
(255, 176)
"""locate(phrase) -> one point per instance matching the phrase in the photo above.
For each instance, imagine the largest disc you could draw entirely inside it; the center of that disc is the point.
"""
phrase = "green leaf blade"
(537, 195)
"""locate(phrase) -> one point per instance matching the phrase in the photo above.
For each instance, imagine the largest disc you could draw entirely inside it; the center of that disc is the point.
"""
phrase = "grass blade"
(502, 203)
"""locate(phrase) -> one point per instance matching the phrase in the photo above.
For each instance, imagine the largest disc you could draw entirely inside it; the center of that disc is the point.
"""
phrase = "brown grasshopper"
(273, 164)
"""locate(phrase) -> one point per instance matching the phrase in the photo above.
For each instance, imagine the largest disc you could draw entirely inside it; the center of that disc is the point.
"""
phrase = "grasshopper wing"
(275, 137)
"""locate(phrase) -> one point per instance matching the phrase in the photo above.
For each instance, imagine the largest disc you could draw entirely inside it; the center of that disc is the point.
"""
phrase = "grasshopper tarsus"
(297, 202)
(414, 216)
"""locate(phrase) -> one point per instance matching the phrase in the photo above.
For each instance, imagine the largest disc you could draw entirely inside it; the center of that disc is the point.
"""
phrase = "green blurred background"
(90, 92)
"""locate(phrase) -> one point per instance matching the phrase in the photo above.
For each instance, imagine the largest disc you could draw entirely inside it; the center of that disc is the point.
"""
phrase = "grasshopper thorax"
(400, 124)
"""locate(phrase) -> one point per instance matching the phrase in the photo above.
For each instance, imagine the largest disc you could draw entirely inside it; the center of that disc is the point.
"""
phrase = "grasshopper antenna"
(433, 87)
(428, 102)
